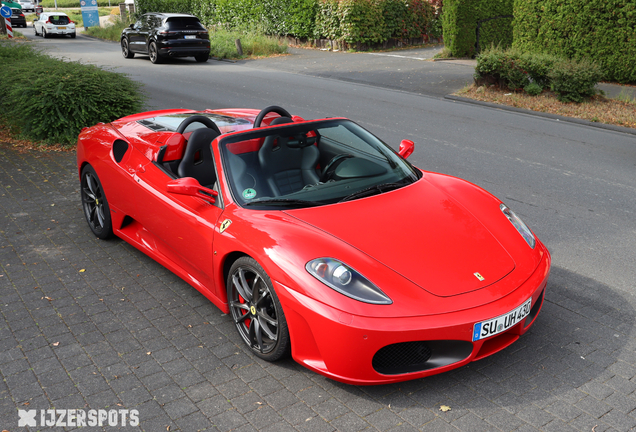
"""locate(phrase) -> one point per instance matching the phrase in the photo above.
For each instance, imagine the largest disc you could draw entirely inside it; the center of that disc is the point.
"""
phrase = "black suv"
(161, 35)
(18, 19)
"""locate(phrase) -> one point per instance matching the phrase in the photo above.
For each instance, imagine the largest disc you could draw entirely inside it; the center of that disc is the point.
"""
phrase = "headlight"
(346, 280)
(518, 223)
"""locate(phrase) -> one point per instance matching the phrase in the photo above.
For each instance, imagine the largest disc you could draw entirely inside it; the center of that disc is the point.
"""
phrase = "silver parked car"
(27, 5)
(54, 23)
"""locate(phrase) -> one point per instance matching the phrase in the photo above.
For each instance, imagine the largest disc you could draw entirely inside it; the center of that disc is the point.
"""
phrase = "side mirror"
(406, 148)
(190, 187)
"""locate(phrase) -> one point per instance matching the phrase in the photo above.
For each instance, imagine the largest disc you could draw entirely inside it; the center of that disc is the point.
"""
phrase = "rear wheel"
(95, 205)
(125, 49)
(154, 53)
(73, 35)
(256, 310)
(202, 58)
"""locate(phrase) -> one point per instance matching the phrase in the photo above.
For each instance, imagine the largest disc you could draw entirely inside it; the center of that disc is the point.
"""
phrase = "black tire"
(45, 35)
(202, 58)
(73, 35)
(95, 204)
(153, 52)
(35, 31)
(125, 49)
(259, 319)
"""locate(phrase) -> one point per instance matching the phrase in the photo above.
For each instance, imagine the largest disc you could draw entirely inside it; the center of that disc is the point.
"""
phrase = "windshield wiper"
(285, 202)
(374, 190)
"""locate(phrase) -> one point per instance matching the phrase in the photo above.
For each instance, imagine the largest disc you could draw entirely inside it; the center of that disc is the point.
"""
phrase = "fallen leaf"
(149, 352)
(48, 298)
(444, 408)
(82, 270)
(55, 343)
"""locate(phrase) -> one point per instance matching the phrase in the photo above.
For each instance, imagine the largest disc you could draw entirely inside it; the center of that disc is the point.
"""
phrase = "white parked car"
(27, 5)
(54, 23)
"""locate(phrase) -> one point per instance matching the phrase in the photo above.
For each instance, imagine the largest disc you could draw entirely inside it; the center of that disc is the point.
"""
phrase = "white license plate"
(61, 28)
(491, 327)
(190, 37)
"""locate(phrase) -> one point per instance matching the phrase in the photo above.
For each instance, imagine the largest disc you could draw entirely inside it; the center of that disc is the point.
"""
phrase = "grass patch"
(596, 109)
(254, 44)
(60, 3)
(51, 100)
(16, 35)
(222, 42)
(111, 32)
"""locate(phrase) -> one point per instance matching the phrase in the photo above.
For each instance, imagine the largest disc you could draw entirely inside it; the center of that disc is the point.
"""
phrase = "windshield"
(310, 164)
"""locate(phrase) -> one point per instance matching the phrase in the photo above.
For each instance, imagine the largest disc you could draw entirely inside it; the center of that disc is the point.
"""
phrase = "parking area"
(96, 325)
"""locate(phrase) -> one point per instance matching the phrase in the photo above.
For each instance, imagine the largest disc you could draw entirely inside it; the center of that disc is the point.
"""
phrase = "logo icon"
(253, 310)
(480, 277)
(225, 224)
(27, 418)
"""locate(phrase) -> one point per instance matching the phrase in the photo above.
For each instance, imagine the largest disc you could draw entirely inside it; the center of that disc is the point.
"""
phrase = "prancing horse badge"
(225, 224)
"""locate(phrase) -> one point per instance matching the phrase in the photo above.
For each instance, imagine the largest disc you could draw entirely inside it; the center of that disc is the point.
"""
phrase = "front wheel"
(35, 31)
(256, 310)
(95, 205)
(125, 49)
(154, 53)
(44, 33)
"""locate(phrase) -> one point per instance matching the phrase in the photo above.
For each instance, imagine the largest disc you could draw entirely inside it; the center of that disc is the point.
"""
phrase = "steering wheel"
(198, 119)
(261, 115)
(331, 166)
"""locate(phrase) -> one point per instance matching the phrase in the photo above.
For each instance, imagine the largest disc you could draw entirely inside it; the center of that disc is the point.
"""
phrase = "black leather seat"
(197, 159)
(287, 169)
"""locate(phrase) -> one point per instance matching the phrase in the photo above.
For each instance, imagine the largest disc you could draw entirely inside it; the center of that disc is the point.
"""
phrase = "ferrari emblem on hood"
(478, 276)
(225, 224)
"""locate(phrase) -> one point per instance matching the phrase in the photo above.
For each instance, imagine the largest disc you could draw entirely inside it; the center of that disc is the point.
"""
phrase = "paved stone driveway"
(89, 324)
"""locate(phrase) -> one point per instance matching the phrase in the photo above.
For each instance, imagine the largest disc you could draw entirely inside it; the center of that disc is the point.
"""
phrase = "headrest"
(280, 120)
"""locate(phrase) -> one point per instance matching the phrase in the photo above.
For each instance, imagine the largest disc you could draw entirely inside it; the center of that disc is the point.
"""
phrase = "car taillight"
(48, 20)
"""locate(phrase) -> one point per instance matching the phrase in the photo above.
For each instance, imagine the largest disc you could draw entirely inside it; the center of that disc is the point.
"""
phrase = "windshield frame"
(392, 157)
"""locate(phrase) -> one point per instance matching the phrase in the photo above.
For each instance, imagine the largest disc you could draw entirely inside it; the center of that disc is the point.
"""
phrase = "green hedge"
(601, 30)
(571, 80)
(352, 21)
(463, 18)
(51, 100)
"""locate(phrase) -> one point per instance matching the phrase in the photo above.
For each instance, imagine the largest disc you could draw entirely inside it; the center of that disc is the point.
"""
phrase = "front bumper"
(347, 347)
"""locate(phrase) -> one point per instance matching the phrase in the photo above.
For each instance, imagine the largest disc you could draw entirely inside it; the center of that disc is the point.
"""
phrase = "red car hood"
(421, 233)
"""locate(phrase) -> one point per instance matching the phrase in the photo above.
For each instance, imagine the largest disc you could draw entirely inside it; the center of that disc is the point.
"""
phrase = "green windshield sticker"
(249, 193)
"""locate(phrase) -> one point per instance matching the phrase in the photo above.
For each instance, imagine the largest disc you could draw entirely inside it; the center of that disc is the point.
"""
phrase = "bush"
(461, 18)
(533, 89)
(51, 100)
(573, 81)
(600, 30)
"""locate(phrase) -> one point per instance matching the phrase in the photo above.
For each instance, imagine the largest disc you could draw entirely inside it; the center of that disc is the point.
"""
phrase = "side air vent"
(120, 148)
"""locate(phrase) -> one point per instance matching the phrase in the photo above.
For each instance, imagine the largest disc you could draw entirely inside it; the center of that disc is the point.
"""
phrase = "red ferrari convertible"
(317, 238)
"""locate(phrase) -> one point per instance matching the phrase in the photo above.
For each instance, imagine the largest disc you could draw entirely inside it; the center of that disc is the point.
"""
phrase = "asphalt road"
(573, 185)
